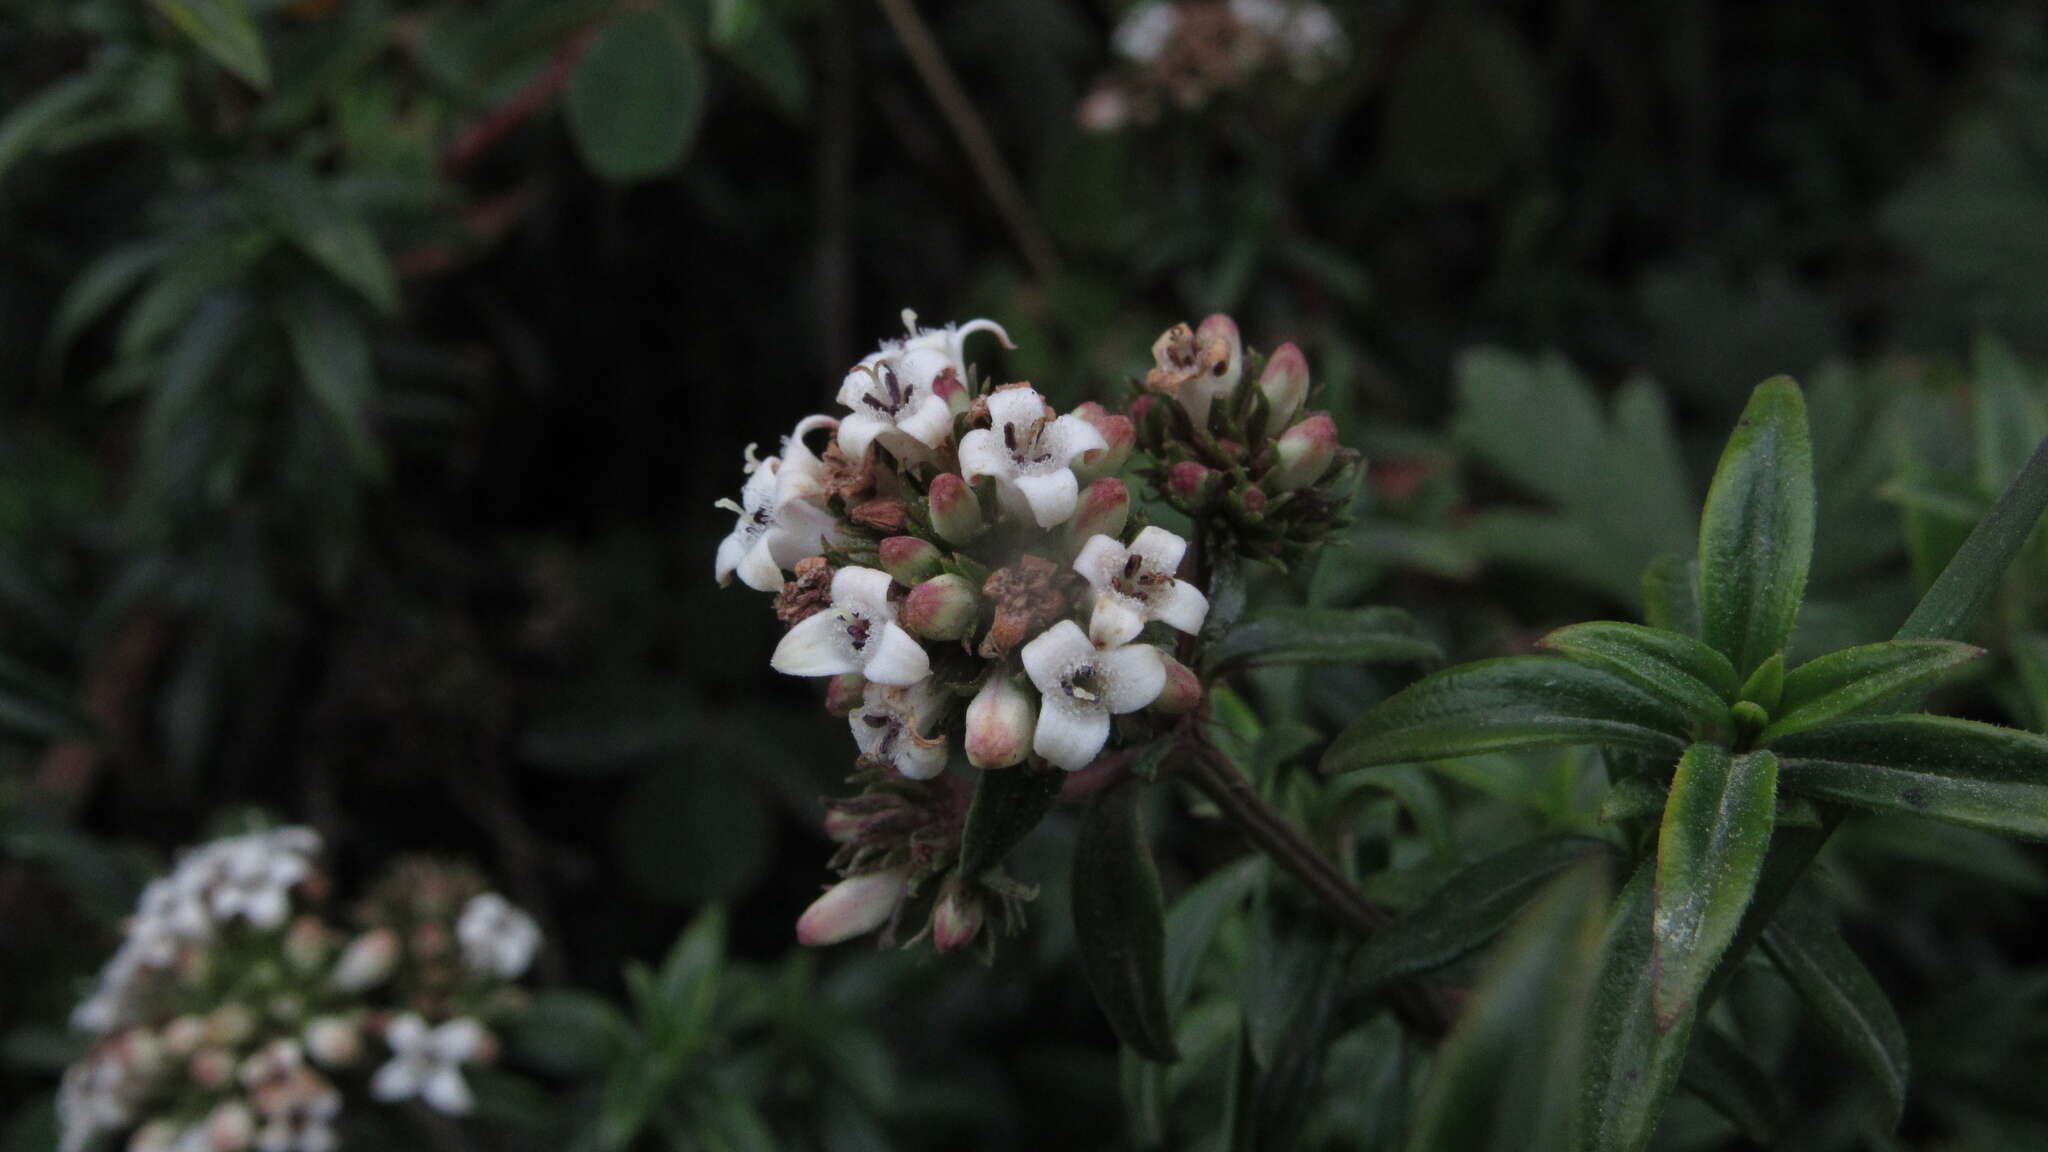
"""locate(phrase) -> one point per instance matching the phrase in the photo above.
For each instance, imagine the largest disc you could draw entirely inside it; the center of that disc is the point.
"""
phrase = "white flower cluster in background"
(1182, 53)
(234, 1017)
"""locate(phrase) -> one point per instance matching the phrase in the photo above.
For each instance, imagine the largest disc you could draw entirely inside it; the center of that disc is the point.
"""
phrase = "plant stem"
(1417, 1005)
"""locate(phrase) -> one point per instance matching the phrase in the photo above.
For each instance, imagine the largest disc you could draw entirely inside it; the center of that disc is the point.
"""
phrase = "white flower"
(255, 876)
(1144, 31)
(894, 391)
(1312, 39)
(497, 938)
(781, 511)
(888, 723)
(1080, 686)
(1136, 584)
(297, 1110)
(427, 1063)
(858, 633)
(367, 960)
(1030, 454)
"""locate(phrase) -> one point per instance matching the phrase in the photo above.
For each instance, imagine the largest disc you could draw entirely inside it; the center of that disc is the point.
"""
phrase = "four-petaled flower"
(1136, 584)
(497, 938)
(782, 516)
(897, 392)
(858, 633)
(426, 1062)
(1080, 686)
(888, 723)
(1030, 453)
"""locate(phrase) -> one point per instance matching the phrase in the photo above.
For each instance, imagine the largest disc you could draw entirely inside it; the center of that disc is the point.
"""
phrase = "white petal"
(1161, 549)
(859, 430)
(408, 1033)
(982, 454)
(1020, 406)
(1068, 735)
(860, 380)
(1054, 650)
(458, 1040)
(973, 326)
(917, 758)
(445, 1092)
(1131, 677)
(1181, 607)
(817, 646)
(759, 490)
(1100, 559)
(921, 367)
(1052, 496)
(1012, 501)
(864, 590)
(1116, 620)
(801, 530)
(758, 569)
(1069, 437)
(895, 657)
(395, 1081)
(929, 422)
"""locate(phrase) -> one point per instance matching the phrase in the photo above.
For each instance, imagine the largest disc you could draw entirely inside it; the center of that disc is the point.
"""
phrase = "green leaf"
(565, 1032)
(1471, 908)
(637, 97)
(1503, 1080)
(1717, 827)
(1962, 771)
(1723, 1075)
(1756, 533)
(1973, 575)
(226, 30)
(329, 232)
(1631, 1064)
(35, 119)
(1324, 636)
(1008, 804)
(89, 296)
(1119, 923)
(1511, 702)
(1679, 668)
(1765, 687)
(1826, 689)
(1804, 943)
(1671, 594)
(2005, 413)
(333, 355)
(1633, 798)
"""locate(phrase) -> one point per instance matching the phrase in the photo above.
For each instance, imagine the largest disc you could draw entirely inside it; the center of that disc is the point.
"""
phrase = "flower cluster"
(965, 567)
(235, 1017)
(1181, 53)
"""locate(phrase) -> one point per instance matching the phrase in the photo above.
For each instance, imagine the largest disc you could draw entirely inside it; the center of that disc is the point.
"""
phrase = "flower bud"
(184, 1035)
(956, 511)
(956, 921)
(1118, 431)
(230, 1024)
(366, 961)
(886, 514)
(1105, 509)
(230, 1127)
(842, 826)
(305, 946)
(844, 692)
(853, 907)
(1303, 454)
(942, 608)
(909, 560)
(211, 1067)
(1285, 383)
(949, 388)
(1221, 350)
(1000, 722)
(1192, 484)
(1183, 689)
(155, 1136)
(334, 1041)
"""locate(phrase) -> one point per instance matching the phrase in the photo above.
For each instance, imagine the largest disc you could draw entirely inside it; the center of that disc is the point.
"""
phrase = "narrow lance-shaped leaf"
(1470, 909)
(1008, 803)
(1324, 636)
(1722, 1074)
(1671, 594)
(1966, 585)
(1962, 771)
(1631, 1064)
(1679, 668)
(1503, 1080)
(1119, 924)
(1512, 702)
(1756, 532)
(1826, 689)
(226, 30)
(1804, 943)
(1717, 827)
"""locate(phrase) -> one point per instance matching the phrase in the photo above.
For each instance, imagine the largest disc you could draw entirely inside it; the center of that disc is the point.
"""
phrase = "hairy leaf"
(1671, 594)
(1973, 574)
(1008, 803)
(1717, 827)
(1679, 668)
(1804, 943)
(1119, 923)
(1756, 532)
(1961, 771)
(1631, 1064)
(1838, 684)
(1324, 636)
(1722, 1074)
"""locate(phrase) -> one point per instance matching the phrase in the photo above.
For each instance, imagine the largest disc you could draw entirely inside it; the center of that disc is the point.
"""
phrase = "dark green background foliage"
(368, 370)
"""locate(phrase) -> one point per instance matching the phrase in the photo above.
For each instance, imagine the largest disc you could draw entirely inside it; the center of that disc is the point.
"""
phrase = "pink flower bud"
(230, 1127)
(949, 388)
(211, 1067)
(1183, 689)
(1219, 345)
(956, 921)
(1000, 723)
(942, 608)
(844, 692)
(366, 961)
(1303, 454)
(1192, 484)
(1118, 431)
(1254, 501)
(956, 511)
(305, 946)
(1105, 509)
(184, 1035)
(909, 559)
(853, 907)
(334, 1041)
(230, 1024)
(1285, 383)
(843, 827)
